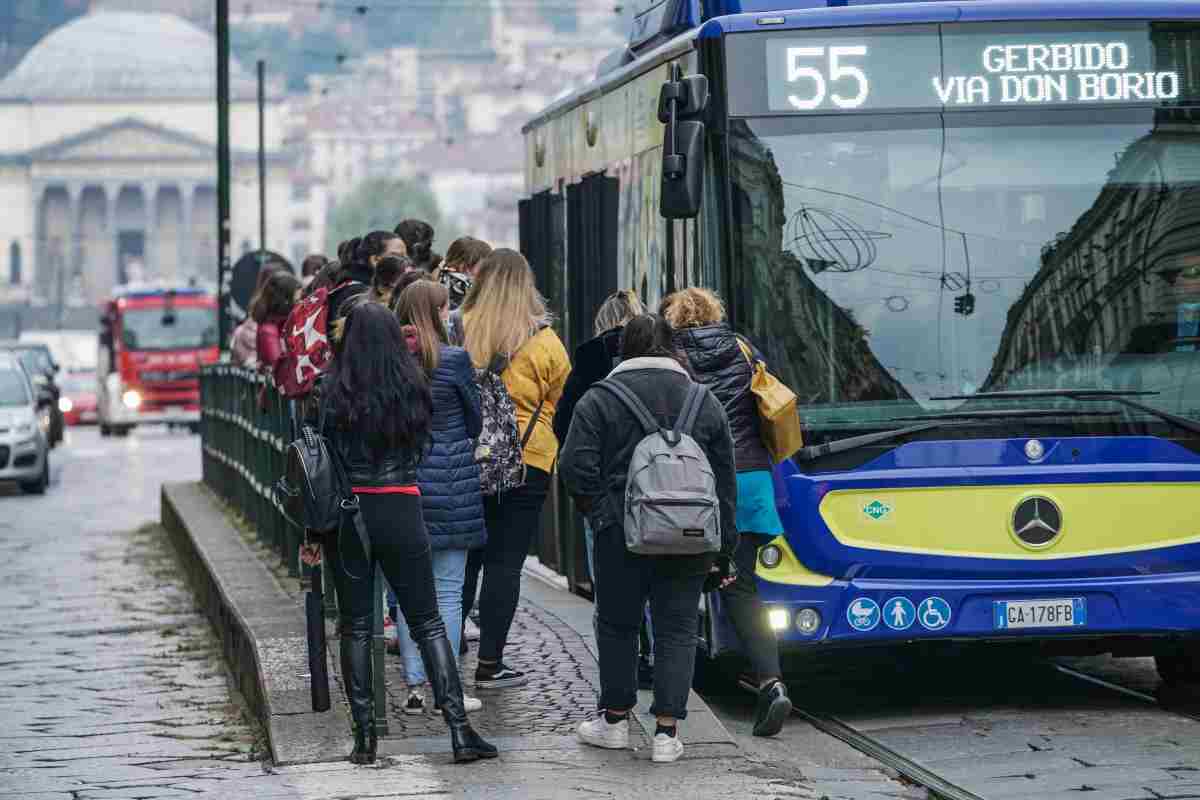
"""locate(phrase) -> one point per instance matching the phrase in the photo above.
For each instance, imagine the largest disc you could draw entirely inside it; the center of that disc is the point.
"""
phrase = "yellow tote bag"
(777, 409)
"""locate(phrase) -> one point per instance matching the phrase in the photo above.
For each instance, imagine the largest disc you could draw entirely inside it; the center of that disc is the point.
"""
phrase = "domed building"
(108, 160)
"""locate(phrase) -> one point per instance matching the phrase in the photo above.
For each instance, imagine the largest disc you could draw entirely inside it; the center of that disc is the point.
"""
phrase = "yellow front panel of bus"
(977, 521)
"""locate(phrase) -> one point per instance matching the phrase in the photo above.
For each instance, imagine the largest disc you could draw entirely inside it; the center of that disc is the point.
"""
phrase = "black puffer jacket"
(594, 359)
(717, 361)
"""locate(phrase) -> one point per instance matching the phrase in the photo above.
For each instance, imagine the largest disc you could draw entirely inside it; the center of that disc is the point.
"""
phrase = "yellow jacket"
(538, 370)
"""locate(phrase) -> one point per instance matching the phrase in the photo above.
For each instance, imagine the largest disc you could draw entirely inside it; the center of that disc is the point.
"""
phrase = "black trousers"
(627, 581)
(746, 610)
(513, 520)
(400, 545)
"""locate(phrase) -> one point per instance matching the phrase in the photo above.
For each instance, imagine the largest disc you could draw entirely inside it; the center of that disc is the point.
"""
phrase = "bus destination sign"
(966, 67)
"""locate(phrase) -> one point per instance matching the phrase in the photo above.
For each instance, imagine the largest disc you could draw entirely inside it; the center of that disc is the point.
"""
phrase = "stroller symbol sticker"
(863, 614)
(933, 613)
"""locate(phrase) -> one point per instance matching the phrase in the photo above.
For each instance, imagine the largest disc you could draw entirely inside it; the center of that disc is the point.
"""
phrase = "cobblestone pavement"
(110, 683)
(112, 686)
(564, 683)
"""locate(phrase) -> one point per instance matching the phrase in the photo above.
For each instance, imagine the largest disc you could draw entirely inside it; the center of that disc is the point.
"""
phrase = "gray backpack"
(671, 506)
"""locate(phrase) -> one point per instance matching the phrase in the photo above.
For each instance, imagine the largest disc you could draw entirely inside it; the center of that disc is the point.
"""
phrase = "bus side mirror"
(682, 104)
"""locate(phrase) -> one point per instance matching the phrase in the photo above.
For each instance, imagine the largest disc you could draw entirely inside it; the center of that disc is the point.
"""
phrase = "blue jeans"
(449, 570)
(647, 644)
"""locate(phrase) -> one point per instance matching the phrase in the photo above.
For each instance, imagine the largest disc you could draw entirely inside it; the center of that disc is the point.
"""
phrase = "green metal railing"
(243, 449)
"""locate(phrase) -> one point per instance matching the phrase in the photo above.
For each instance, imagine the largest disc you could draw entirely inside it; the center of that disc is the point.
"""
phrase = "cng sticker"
(877, 509)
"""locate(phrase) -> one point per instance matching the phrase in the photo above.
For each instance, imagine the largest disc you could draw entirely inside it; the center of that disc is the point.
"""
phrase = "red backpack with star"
(306, 334)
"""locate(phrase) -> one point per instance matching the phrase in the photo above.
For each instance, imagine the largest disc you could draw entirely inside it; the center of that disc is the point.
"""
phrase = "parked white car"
(24, 451)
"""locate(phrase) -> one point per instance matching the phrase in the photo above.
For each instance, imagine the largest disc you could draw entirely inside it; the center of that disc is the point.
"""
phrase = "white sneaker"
(471, 630)
(666, 748)
(470, 705)
(599, 733)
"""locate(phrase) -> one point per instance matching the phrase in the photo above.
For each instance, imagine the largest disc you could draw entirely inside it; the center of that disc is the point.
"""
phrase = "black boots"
(356, 672)
(366, 742)
(442, 670)
(773, 708)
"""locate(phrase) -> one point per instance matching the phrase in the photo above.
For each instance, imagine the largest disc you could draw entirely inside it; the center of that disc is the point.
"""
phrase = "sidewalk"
(533, 725)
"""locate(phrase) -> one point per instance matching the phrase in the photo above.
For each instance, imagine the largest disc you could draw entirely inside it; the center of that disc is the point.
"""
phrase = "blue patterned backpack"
(500, 450)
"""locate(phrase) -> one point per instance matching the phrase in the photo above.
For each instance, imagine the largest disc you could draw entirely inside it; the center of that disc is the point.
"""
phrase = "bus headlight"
(132, 399)
(778, 619)
(808, 620)
(770, 556)
(65, 405)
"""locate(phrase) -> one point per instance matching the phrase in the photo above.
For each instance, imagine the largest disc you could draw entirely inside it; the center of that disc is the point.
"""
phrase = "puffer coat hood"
(718, 362)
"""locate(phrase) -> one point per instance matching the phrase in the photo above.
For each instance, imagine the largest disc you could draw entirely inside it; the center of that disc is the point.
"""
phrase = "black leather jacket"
(718, 362)
(363, 467)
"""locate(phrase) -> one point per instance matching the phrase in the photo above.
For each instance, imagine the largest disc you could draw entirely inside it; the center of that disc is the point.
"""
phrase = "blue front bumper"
(875, 611)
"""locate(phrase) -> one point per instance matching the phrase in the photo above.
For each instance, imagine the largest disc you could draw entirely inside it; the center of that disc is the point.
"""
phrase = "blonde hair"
(503, 310)
(616, 310)
(420, 305)
(692, 308)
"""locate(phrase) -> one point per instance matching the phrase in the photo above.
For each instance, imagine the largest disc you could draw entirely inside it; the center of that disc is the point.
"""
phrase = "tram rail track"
(938, 786)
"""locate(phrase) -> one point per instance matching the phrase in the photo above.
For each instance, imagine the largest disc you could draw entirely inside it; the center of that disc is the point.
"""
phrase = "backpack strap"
(533, 421)
(632, 402)
(691, 409)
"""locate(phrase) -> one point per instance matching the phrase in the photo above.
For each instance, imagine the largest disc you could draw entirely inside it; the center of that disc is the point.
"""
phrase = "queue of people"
(451, 401)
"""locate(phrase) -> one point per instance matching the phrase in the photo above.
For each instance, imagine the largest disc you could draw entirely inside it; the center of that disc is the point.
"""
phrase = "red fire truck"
(153, 341)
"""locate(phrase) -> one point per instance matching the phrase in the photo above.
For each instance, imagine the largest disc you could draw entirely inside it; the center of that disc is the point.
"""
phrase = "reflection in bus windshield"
(893, 266)
(179, 329)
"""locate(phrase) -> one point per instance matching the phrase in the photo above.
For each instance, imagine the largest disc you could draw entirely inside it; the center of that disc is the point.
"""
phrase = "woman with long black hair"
(377, 411)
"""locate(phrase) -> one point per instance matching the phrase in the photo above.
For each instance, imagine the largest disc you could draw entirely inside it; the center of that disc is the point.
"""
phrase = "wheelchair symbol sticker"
(863, 614)
(933, 613)
(899, 613)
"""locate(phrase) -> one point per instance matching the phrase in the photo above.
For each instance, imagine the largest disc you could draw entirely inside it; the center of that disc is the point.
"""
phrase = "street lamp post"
(223, 173)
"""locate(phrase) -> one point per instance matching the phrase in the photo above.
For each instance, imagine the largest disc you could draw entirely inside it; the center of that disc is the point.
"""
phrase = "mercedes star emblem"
(1037, 521)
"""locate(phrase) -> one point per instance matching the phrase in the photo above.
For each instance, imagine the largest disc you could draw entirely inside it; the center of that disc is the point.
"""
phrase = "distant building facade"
(107, 161)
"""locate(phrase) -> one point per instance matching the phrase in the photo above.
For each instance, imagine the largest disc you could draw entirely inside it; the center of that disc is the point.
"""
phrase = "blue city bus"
(967, 234)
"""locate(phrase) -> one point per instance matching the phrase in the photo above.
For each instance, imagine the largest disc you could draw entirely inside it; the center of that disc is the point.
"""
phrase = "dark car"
(40, 365)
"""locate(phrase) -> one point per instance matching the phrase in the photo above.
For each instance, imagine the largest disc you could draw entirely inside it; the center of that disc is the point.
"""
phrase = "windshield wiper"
(1001, 414)
(1117, 396)
(813, 452)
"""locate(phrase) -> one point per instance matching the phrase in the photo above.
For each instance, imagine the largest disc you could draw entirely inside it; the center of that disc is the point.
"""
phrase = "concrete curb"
(702, 726)
(261, 628)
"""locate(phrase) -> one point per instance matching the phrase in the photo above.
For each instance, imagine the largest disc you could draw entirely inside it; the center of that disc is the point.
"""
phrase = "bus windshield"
(182, 328)
(889, 259)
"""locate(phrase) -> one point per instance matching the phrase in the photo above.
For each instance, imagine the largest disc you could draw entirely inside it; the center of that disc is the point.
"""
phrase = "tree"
(378, 204)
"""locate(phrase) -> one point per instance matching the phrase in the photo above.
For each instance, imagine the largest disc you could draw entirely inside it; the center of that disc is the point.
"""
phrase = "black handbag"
(314, 493)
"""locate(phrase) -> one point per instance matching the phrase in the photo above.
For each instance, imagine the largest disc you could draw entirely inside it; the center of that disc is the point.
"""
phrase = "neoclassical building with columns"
(108, 161)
